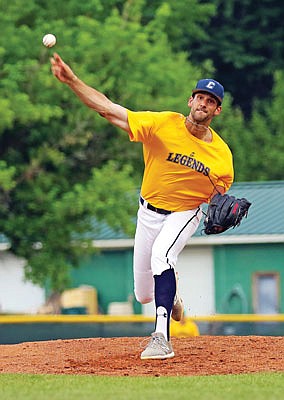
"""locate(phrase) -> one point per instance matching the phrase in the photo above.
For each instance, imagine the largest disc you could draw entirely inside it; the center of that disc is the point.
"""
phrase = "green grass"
(268, 386)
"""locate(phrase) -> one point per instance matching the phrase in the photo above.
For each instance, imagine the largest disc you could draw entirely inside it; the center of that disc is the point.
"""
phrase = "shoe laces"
(158, 341)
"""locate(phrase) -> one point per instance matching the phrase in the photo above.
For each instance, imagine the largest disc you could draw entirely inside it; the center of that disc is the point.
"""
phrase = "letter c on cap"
(210, 85)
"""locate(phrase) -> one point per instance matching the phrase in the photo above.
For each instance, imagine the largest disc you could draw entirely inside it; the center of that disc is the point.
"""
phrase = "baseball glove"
(225, 212)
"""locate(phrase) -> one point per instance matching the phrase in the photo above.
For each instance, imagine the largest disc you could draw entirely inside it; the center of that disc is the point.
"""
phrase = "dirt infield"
(202, 355)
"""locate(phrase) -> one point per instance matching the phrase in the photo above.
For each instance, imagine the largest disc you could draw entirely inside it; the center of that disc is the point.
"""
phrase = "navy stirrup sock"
(165, 290)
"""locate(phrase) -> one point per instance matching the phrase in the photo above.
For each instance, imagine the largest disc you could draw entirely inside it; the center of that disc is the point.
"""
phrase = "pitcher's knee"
(159, 263)
(144, 299)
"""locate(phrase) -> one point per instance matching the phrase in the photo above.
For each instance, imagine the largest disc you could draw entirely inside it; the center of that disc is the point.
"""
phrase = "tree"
(258, 143)
(266, 161)
(245, 43)
(56, 168)
(185, 22)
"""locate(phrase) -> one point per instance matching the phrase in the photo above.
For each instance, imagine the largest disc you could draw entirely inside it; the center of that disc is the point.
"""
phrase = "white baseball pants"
(159, 239)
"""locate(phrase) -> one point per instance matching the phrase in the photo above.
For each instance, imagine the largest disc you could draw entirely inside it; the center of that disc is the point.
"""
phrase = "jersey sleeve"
(227, 179)
(141, 124)
(226, 182)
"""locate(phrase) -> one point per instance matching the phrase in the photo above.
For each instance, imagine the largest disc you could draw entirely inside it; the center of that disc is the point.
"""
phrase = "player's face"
(203, 107)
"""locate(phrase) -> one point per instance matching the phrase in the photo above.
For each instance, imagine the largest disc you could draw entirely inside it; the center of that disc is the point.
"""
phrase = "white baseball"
(49, 40)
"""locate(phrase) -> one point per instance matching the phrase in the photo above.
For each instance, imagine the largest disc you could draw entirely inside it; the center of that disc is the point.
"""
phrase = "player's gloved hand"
(225, 212)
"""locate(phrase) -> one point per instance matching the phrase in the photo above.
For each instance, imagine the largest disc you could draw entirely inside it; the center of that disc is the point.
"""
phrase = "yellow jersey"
(180, 169)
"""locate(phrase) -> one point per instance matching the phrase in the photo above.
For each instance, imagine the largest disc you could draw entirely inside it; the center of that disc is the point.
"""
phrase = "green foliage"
(6, 176)
(266, 161)
(258, 143)
(7, 184)
(184, 22)
(46, 224)
(245, 43)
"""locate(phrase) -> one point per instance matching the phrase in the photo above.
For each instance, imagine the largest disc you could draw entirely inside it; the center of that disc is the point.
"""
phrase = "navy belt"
(155, 209)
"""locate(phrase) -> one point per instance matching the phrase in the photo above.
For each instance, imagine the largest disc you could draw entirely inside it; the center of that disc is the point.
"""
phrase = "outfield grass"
(77, 387)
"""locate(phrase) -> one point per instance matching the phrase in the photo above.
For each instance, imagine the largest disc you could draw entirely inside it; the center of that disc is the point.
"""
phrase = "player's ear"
(190, 100)
(218, 110)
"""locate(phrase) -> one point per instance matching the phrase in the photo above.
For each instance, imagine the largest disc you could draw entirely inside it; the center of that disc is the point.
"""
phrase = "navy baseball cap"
(210, 86)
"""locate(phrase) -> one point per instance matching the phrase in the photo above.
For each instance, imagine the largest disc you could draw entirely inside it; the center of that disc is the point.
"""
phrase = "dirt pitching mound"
(202, 355)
